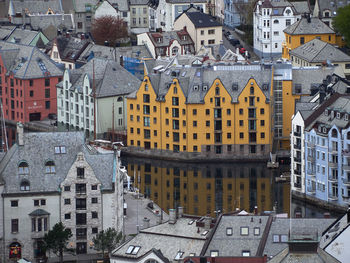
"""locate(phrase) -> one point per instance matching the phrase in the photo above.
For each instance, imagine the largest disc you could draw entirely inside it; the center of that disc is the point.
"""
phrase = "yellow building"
(219, 112)
(305, 30)
(202, 189)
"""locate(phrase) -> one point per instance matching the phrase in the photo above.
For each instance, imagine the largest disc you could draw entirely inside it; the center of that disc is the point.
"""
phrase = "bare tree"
(110, 29)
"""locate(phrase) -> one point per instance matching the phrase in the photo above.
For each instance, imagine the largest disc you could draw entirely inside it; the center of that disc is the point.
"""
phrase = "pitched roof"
(304, 27)
(319, 51)
(200, 19)
(39, 212)
(70, 48)
(169, 36)
(332, 6)
(37, 6)
(22, 36)
(40, 147)
(27, 62)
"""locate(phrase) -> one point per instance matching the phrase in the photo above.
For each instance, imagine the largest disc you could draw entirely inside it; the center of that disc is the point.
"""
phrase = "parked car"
(227, 33)
(234, 42)
(229, 37)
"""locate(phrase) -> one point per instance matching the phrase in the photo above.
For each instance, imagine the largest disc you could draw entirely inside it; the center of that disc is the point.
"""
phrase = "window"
(179, 255)
(60, 149)
(228, 123)
(302, 40)
(50, 167)
(67, 216)
(14, 203)
(244, 231)
(214, 253)
(256, 231)
(207, 123)
(80, 203)
(80, 172)
(240, 111)
(80, 188)
(194, 112)
(94, 215)
(246, 253)
(211, 31)
(25, 186)
(241, 123)
(23, 168)
(202, 32)
(14, 225)
(276, 238)
(81, 219)
(195, 136)
(262, 111)
(94, 187)
(211, 41)
(94, 230)
(67, 201)
(241, 135)
(288, 22)
(262, 122)
(47, 82)
(229, 231)
(94, 200)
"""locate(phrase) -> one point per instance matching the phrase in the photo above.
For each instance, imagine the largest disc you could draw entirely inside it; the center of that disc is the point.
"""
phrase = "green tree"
(56, 240)
(341, 23)
(107, 240)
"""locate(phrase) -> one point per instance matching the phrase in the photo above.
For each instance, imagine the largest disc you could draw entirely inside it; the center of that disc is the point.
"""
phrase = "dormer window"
(184, 37)
(50, 167)
(346, 116)
(25, 185)
(179, 255)
(159, 40)
(324, 130)
(338, 115)
(326, 112)
(23, 168)
(60, 149)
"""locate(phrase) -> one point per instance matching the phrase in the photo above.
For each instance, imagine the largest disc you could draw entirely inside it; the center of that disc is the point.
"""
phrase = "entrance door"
(35, 116)
(81, 248)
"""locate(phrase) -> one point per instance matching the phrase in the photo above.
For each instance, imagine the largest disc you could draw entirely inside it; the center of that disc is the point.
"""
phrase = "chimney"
(146, 222)
(348, 215)
(20, 139)
(207, 221)
(180, 210)
(172, 216)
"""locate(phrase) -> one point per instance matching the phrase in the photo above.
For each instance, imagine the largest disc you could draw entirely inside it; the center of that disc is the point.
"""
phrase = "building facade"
(95, 92)
(270, 18)
(28, 78)
(67, 182)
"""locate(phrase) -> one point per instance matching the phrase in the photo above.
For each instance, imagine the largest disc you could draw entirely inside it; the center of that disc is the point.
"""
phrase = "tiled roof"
(24, 36)
(40, 147)
(37, 6)
(169, 36)
(41, 22)
(319, 51)
(27, 62)
(303, 27)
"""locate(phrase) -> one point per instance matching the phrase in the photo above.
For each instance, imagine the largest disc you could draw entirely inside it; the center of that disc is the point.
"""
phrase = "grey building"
(50, 177)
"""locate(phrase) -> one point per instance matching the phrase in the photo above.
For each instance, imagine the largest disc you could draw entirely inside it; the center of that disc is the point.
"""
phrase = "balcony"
(297, 146)
(332, 165)
(346, 167)
(334, 151)
(311, 145)
(311, 189)
(346, 153)
(297, 159)
(298, 134)
(311, 172)
(332, 178)
(311, 158)
(39, 234)
(346, 199)
(346, 181)
(332, 197)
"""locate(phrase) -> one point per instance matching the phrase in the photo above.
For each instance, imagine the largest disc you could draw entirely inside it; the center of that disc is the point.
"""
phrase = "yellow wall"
(190, 113)
(293, 41)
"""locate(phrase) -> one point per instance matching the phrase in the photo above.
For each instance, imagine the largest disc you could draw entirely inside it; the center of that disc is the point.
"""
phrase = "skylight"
(133, 250)
(205, 233)
(179, 255)
(136, 249)
(129, 250)
(191, 222)
(42, 66)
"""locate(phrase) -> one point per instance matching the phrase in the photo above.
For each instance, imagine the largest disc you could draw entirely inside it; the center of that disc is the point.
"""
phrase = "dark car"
(227, 33)
(234, 42)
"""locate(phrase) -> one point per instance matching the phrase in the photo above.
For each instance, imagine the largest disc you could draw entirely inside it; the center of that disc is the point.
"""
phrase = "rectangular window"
(229, 231)
(80, 188)
(80, 172)
(244, 231)
(14, 203)
(47, 82)
(14, 225)
(81, 219)
(80, 204)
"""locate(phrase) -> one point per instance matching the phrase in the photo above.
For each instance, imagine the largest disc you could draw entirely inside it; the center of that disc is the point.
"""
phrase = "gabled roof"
(308, 26)
(37, 6)
(40, 147)
(27, 62)
(70, 48)
(319, 51)
(331, 5)
(39, 212)
(169, 36)
(201, 20)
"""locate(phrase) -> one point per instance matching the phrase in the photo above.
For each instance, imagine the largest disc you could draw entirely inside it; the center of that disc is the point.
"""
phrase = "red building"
(28, 81)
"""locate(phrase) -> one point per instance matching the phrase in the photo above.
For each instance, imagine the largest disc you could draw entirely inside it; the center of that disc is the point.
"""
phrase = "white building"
(168, 11)
(75, 97)
(270, 18)
(54, 177)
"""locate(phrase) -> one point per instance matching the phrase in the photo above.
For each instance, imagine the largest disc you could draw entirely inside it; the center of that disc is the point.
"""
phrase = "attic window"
(205, 233)
(346, 116)
(324, 130)
(159, 40)
(60, 149)
(133, 250)
(191, 222)
(229, 231)
(338, 115)
(235, 86)
(179, 255)
(195, 87)
(23, 168)
(205, 87)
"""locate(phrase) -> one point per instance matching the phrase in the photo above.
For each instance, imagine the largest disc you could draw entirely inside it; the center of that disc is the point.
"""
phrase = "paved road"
(137, 210)
(227, 44)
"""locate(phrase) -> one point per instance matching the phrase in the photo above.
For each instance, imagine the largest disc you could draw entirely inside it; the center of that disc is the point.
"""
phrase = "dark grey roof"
(303, 27)
(279, 7)
(70, 48)
(200, 19)
(110, 78)
(318, 51)
(39, 212)
(282, 226)
(233, 245)
(168, 238)
(24, 60)
(185, 1)
(42, 22)
(5, 32)
(68, 6)
(196, 81)
(138, 2)
(38, 6)
(301, 7)
(80, 5)
(23, 36)
(331, 5)
(40, 147)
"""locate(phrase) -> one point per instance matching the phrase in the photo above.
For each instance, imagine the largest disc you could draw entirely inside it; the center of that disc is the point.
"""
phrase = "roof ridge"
(264, 237)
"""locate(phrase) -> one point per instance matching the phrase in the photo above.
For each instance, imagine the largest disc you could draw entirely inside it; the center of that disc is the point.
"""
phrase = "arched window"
(251, 90)
(23, 168)
(50, 167)
(151, 260)
(275, 21)
(174, 51)
(120, 99)
(334, 133)
(15, 250)
(25, 186)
